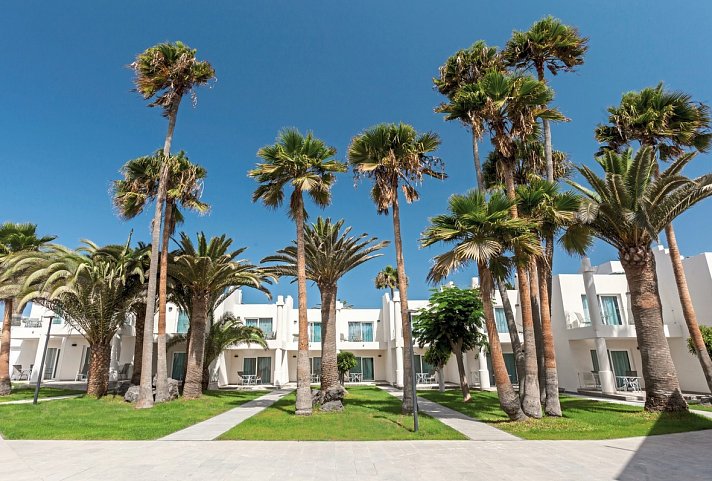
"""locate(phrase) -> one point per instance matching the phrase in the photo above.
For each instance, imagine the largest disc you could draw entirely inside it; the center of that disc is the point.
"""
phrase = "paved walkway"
(215, 426)
(707, 414)
(671, 457)
(42, 399)
(473, 429)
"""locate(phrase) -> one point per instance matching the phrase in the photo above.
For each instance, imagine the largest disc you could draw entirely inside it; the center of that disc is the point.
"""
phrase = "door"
(509, 363)
(50, 366)
(84, 367)
(367, 368)
(249, 366)
(264, 369)
(179, 360)
(621, 365)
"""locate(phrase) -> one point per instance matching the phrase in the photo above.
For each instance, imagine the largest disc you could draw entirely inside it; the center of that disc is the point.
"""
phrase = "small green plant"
(345, 361)
(706, 337)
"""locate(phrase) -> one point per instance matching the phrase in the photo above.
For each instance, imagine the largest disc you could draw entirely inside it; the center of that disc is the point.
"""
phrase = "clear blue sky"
(69, 119)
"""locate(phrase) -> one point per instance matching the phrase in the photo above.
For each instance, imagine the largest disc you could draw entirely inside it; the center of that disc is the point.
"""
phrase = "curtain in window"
(183, 322)
(584, 303)
(264, 369)
(417, 359)
(266, 325)
(609, 309)
(315, 331)
(367, 369)
(354, 331)
(249, 365)
(367, 331)
(621, 365)
(179, 360)
(252, 322)
(501, 320)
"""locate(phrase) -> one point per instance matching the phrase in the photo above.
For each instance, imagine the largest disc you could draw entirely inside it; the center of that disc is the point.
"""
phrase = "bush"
(706, 336)
(345, 361)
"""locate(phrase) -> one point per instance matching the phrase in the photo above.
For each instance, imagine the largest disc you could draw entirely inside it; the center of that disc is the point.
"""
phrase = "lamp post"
(44, 355)
(412, 372)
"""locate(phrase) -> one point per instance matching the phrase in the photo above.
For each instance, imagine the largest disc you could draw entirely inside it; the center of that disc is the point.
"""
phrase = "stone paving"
(215, 426)
(473, 429)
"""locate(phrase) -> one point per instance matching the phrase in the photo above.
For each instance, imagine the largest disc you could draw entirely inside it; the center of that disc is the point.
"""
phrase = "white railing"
(575, 320)
(629, 383)
(589, 380)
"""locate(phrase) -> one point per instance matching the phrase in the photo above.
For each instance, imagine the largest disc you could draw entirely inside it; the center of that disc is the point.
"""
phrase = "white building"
(593, 331)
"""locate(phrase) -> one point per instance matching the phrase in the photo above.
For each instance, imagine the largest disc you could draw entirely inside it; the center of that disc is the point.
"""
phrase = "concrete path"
(215, 426)
(473, 429)
(42, 399)
(672, 457)
(707, 414)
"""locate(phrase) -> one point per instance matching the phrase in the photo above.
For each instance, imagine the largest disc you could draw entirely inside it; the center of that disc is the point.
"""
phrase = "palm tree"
(223, 333)
(387, 278)
(627, 208)
(131, 195)
(669, 122)
(395, 157)
(511, 105)
(330, 253)
(205, 275)
(467, 67)
(92, 288)
(307, 164)
(480, 231)
(165, 73)
(547, 44)
(14, 239)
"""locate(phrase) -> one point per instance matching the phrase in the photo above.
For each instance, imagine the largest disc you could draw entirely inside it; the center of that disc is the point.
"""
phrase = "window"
(263, 323)
(315, 332)
(57, 320)
(260, 366)
(594, 360)
(586, 314)
(421, 366)
(610, 312)
(364, 365)
(501, 320)
(315, 365)
(360, 331)
(183, 323)
(178, 368)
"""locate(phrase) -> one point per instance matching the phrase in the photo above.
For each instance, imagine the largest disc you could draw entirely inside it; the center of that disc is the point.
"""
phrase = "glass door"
(179, 360)
(264, 369)
(50, 366)
(367, 368)
(621, 366)
(249, 366)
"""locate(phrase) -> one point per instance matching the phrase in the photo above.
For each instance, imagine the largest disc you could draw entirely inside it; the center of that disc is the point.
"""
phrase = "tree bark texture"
(513, 332)
(538, 336)
(456, 347)
(161, 356)
(552, 405)
(5, 382)
(99, 363)
(192, 388)
(304, 397)
(329, 369)
(138, 343)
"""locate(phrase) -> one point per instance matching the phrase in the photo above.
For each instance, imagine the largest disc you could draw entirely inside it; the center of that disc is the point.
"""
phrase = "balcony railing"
(575, 320)
(32, 323)
(271, 336)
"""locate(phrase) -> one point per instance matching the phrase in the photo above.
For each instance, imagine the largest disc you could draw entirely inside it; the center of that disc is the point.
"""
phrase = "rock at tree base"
(333, 394)
(131, 395)
(173, 389)
(332, 406)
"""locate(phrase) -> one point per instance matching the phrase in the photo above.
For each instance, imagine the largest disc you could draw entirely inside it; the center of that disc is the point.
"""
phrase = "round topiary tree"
(345, 361)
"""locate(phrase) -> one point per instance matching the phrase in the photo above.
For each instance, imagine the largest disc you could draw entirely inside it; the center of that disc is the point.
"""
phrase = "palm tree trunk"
(547, 133)
(529, 391)
(145, 396)
(549, 264)
(662, 388)
(508, 399)
(513, 332)
(538, 336)
(476, 158)
(138, 344)
(688, 310)
(304, 398)
(329, 369)
(162, 362)
(193, 387)
(5, 382)
(407, 406)
(461, 374)
(552, 406)
(99, 361)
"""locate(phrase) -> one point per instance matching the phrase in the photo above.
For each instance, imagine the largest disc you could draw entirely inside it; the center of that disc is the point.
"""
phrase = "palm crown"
(548, 43)
(669, 121)
(394, 155)
(467, 66)
(168, 71)
(628, 206)
(387, 278)
(304, 162)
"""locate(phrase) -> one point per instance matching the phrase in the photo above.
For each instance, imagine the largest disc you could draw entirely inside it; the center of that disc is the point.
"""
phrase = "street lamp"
(44, 355)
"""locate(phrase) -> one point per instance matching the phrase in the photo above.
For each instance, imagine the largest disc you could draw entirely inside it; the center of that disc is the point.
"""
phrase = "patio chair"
(123, 373)
(240, 379)
(16, 372)
(258, 380)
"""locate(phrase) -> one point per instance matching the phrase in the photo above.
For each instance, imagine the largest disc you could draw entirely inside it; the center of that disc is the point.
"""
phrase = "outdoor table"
(422, 378)
(250, 378)
(355, 376)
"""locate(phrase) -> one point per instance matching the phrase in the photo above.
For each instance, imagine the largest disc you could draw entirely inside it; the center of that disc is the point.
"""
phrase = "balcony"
(580, 328)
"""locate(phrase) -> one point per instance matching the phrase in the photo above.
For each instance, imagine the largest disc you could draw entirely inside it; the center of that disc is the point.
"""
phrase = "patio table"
(355, 377)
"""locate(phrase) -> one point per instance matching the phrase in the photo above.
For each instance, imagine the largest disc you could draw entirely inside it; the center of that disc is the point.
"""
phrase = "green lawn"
(700, 407)
(111, 417)
(369, 414)
(583, 418)
(27, 391)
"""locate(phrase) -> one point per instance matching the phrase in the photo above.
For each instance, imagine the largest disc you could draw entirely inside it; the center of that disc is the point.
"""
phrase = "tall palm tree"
(551, 45)
(627, 207)
(467, 66)
(14, 239)
(330, 253)
(205, 274)
(669, 122)
(511, 105)
(387, 278)
(165, 73)
(480, 231)
(131, 195)
(395, 157)
(92, 288)
(307, 164)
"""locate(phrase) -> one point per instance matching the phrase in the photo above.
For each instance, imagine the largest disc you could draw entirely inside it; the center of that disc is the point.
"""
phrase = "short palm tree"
(92, 288)
(306, 163)
(395, 157)
(467, 66)
(14, 239)
(330, 253)
(387, 278)
(551, 45)
(165, 73)
(138, 188)
(204, 274)
(671, 123)
(480, 230)
(627, 207)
